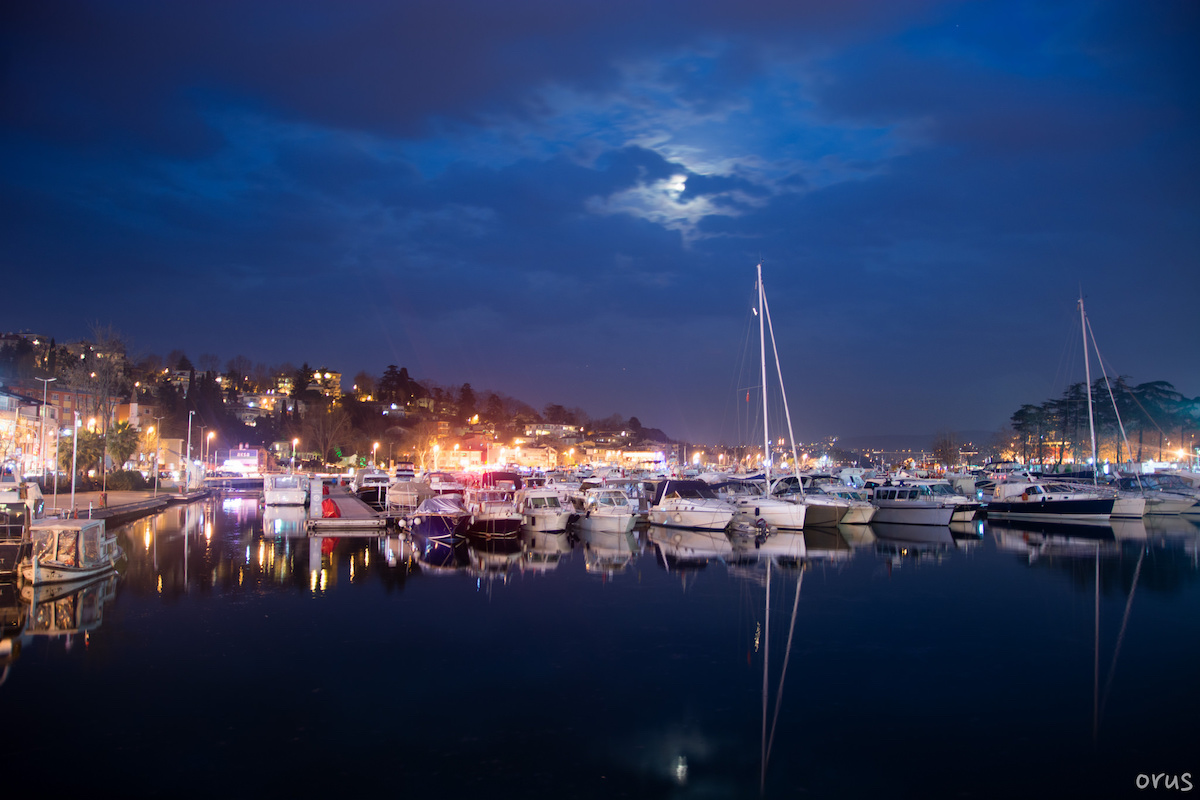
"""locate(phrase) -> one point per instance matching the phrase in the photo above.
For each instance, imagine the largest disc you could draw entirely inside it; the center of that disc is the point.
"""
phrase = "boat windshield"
(549, 501)
(610, 498)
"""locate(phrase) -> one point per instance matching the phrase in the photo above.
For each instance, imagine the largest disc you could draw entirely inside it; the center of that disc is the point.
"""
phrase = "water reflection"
(60, 612)
(543, 551)
(608, 553)
(716, 712)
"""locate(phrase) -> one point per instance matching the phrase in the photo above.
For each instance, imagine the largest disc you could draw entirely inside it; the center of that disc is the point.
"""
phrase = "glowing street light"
(208, 449)
(295, 442)
(374, 450)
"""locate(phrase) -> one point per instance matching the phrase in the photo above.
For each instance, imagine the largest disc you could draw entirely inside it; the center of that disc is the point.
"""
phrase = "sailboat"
(773, 511)
(1029, 498)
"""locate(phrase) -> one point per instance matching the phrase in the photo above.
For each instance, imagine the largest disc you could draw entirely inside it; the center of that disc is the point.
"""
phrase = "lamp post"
(187, 463)
(436, 448)
(42, 441)
(157, 439)
(74, 454)
(374, 451)
(294, 443)
(208, 449)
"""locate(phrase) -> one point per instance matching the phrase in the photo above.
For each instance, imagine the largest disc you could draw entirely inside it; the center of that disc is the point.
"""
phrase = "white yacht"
(689, 504)
(605, 509)
(904, 504)
(752, 507)
(285, 489)
(543, 510)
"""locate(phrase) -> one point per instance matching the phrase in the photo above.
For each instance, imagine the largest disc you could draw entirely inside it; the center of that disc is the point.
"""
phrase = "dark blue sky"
(565, 201)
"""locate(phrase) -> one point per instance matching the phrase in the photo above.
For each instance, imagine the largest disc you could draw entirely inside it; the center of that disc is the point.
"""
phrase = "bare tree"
(325, 430)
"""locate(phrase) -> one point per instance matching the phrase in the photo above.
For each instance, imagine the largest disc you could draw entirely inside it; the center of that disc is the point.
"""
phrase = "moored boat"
(1047, 500)
(64, 550)
(285, 489)
(689, 504)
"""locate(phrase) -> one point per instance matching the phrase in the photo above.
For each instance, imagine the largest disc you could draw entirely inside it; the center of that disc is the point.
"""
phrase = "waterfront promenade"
(119, 505)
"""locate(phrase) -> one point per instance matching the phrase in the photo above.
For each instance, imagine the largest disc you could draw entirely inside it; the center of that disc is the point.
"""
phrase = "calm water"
(992, 661)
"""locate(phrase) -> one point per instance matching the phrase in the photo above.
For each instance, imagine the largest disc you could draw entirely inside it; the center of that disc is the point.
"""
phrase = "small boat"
(689, 504)
(1047, 500)
(404, 496)
(65, 550)
(605, 509)
(440, 516)
(752, 507)
(493, 504)
(859, 510)
(285, 489)
(903, 504)
(405, 471)
(542, 510)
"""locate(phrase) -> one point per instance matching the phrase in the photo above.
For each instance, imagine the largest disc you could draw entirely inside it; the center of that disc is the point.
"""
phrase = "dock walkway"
(354, 514)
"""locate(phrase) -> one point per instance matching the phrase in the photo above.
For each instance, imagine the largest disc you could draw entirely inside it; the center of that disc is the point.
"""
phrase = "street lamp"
(374, 450)
(187, 464)
(294, 443)
(208, 449)
(157, 439)
(42, 442)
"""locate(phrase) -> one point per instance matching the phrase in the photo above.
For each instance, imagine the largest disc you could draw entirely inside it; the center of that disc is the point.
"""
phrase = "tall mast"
(762, 342)
(1087, 372)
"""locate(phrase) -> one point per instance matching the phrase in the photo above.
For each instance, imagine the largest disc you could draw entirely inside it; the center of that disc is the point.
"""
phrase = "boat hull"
(907, 513)
(696, 517)
(1081, 510)
(606, 523)
(37, 573)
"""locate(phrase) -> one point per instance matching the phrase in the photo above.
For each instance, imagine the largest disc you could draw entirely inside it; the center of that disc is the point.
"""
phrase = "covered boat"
(65, 550)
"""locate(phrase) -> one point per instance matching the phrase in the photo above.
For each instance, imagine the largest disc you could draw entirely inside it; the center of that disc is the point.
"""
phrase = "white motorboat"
(965, 508)
(903, 504)
(689, 504)
(859, 510)
(543, 510)
(605, 509)
(1164, 493)
(753, 508)
(65, 550)
(285, 489)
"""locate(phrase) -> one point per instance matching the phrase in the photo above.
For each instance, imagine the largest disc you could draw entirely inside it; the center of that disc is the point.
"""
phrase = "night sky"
(565, 201)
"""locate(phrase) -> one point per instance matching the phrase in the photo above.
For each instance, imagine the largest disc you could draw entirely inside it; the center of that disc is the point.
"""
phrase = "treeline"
(1156, 419)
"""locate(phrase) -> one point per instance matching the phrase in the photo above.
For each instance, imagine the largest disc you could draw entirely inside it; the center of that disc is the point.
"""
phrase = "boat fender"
(1025, 496)
(679, 518)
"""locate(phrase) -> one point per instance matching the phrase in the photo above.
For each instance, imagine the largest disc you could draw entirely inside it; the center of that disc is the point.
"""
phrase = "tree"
(945, 448)
(122, 442)
(1029, 422)
(325, 430)
(466, 401)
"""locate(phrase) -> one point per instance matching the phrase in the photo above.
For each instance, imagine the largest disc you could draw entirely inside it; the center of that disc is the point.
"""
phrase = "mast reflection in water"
(987, 659)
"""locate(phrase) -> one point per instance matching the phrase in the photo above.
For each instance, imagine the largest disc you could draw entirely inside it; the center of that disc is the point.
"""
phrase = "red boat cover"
(329, 509)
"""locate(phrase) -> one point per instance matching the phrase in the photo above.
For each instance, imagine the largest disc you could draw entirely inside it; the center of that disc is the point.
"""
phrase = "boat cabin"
(69, 549)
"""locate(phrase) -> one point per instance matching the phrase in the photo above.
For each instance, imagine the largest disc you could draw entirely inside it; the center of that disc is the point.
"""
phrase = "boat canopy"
(441, 505)
(693, 489)
(69, 544)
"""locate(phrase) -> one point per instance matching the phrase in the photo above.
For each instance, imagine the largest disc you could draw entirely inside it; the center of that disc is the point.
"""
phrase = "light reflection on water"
(887, 659)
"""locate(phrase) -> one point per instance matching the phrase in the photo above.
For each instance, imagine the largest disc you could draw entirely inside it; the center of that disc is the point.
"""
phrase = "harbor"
(647, 662)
